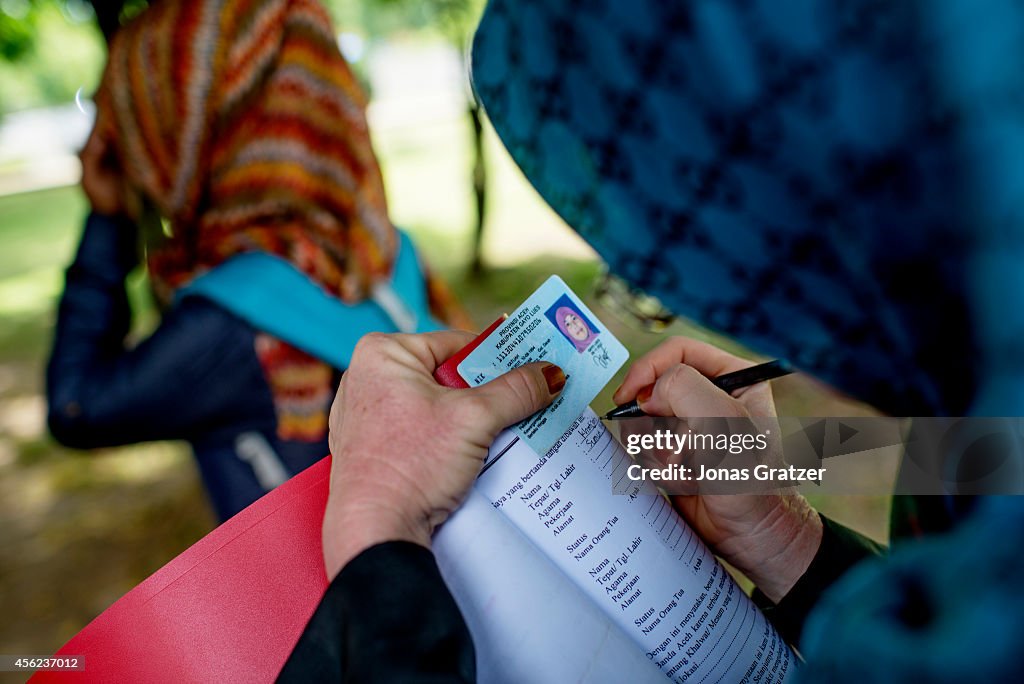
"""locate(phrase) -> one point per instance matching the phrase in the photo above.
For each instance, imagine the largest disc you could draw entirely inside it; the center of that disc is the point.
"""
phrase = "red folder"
(232, 607)
(229, 609)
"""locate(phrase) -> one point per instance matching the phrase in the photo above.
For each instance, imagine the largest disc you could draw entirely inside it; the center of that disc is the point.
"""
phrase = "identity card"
(553, 325)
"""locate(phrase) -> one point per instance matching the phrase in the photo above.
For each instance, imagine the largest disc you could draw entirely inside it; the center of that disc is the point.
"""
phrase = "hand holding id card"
(553, 325)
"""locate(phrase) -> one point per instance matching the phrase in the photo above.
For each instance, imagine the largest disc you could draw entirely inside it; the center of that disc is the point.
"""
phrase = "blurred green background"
(78, 530)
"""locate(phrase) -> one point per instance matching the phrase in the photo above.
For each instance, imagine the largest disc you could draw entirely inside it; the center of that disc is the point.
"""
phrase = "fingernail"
(555, 377)
(617, 390)
(645, 393)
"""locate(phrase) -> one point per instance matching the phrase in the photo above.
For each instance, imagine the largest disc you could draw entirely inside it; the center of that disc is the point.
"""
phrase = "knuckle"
(374, 339)
(525, 390)
(677, 346)
(402, 339)
(371, 345)
(677, 378)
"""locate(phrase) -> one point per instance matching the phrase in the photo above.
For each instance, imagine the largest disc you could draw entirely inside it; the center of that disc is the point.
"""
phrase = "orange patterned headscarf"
(244, 126)
(242, 123)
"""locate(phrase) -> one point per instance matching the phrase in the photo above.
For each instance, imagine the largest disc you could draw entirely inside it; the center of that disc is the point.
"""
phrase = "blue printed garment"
(836, 183)
(802, 176)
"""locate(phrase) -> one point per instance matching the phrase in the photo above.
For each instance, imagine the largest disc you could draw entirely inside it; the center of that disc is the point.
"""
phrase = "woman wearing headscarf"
(231, 143)
(574, 327)
(839, 185)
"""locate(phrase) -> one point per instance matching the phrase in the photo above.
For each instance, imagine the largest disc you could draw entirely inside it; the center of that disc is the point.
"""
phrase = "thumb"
(519, 393)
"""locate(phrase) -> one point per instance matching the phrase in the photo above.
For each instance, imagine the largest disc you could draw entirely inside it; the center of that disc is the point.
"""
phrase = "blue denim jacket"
(196, 378)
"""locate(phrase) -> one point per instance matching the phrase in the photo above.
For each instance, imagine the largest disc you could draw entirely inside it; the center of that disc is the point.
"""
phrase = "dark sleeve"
(387, 617)
(197, 372)
(841, 548)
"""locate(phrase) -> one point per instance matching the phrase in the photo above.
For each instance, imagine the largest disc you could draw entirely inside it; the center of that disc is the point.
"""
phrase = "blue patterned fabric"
(789, 173)
(840, 184)
(942, 610)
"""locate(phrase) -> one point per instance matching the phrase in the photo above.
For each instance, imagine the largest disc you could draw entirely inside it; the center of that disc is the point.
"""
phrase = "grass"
(37, 230)
(78, 530)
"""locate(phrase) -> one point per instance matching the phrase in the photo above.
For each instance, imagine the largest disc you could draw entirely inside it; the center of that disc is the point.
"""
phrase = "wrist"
(796, 532)
(351, 527)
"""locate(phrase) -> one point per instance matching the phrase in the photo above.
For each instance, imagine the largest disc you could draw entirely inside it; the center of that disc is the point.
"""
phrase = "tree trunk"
(479, 186)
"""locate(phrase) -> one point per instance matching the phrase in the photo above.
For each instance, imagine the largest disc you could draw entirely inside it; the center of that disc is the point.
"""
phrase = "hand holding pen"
(685, 378)
(728, 382)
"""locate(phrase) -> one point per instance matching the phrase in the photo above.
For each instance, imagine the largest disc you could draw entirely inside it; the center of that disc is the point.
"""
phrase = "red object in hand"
(229, 609)
(232, 607)
(447, 373)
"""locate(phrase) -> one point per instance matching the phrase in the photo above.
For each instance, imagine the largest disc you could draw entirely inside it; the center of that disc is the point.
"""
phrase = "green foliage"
(53, 50)
(131, 8)
(452, 19)
(16, 33)
(456, 18)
